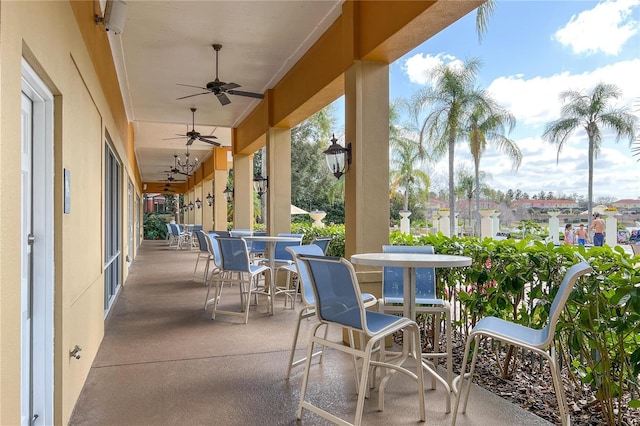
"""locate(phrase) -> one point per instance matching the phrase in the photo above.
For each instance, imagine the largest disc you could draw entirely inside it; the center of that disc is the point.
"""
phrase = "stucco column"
(486, 224)
(278, 194)
(197, 212)
(610, 228)
(405, 222)
(367, 181)
(207, 211)
(243, 191)
(495, 222)
(444, 224)
(219, 202)
(554, 227)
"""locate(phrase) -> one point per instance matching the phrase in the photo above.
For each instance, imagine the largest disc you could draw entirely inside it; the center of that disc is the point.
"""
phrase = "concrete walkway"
(163, 361)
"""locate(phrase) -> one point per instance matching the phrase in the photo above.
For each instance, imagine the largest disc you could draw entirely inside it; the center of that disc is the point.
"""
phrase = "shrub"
(155, 227)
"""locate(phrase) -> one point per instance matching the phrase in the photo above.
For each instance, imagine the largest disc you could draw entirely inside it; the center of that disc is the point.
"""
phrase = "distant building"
(463, 205)
(627, 205)
(543, 204)
(435, 204)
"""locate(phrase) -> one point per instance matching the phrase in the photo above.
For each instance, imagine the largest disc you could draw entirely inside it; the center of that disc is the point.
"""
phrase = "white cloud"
(419, 66)
(605, 28)
(535, 101)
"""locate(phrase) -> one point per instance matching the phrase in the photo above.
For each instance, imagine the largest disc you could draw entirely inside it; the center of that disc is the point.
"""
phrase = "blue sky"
(534, 50)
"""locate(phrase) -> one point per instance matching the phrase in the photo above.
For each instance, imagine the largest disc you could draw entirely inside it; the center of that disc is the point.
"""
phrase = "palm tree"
(487, 125)
(406, 157)
(449, 102)
(591, 111)
(483, 13)
(405, 172)
(465, 189)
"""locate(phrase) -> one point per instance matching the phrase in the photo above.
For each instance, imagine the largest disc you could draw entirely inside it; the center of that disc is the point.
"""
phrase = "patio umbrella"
(596, 209)
(297, 210)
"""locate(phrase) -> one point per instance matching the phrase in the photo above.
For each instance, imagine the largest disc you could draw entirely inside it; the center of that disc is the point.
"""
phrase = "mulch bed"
(531, 387)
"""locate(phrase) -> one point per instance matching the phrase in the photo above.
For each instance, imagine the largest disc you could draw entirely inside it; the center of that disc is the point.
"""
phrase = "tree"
(465, 189)
(483, 13)
(310, 178)
(406, 158)
(592, 112)
(487, 125)
(449, 102)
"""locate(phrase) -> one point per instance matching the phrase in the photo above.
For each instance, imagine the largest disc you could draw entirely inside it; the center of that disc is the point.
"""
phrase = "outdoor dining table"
(270, 251)
(409, 262)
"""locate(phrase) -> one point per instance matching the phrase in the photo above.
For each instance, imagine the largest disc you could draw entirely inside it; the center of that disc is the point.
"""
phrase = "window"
(113, 227)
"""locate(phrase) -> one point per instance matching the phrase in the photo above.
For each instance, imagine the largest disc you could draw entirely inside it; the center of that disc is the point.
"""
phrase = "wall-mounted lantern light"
(338, 158)
(228, 194)
(260, 184)
(198, 202)
(209, 199)
(190, 205)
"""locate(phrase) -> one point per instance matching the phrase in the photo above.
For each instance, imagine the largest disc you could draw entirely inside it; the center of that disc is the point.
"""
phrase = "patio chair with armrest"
(235, 262)
(427, 302)
(215, 274)
(180, 237)
(539, 341)
(204, 254)
(635, 248)
(282, 258)
(257, 248)
(339, 302)
(323, 243)
(306, 294)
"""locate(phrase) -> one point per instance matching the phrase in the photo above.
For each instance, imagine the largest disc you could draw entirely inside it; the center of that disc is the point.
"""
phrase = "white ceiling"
(169, 42)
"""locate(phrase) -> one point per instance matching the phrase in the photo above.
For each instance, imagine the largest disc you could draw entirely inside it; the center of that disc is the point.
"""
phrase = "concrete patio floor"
(163, 361)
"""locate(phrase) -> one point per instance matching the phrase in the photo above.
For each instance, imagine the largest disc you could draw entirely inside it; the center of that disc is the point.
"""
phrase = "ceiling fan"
(220, 88)
(196, 136)
(170, 179)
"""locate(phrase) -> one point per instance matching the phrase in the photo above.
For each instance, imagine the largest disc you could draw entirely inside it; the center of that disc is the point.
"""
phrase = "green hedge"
(599, 331)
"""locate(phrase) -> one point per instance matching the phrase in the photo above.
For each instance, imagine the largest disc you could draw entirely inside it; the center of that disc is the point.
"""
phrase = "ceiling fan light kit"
(219, 88)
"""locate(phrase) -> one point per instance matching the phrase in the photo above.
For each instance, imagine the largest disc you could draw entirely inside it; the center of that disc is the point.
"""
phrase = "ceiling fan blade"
(208, 136)
(229, 86)
(224, 100)
(169, 139)
(190, 85)
(202, 139)
(247, 94)
(189, 96)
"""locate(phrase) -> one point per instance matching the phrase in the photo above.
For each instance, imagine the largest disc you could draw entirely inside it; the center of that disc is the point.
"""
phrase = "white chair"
(427, 302)
(339, 303)
(539, 341)
(238, 269)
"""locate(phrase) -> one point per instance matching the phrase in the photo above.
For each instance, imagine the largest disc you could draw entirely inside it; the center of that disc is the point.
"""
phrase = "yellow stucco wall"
(47, 34)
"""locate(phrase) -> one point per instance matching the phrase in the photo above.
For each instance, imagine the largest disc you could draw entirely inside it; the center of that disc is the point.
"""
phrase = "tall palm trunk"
(452, 193)
(476, 162)
(590, 189)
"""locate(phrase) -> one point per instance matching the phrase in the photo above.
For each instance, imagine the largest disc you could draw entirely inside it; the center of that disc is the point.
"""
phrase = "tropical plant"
(487, 125)
(591, 112)
(406, 158)
(448, 103)
(597, 333)
(154, 226)
(465, 189)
